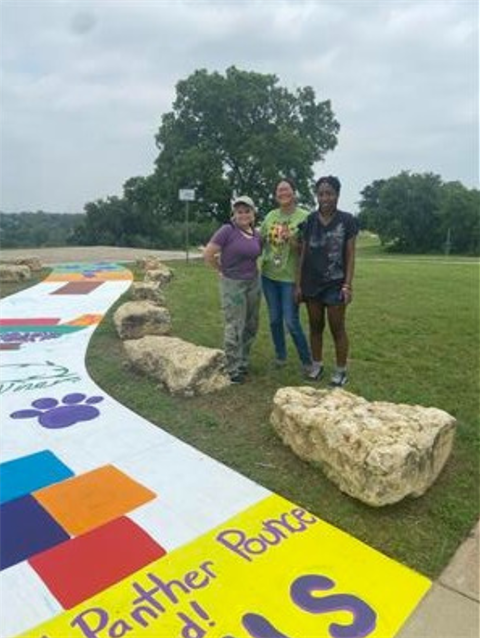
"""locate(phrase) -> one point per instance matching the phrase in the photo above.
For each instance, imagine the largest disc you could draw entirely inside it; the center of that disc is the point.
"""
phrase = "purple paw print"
(51, 415)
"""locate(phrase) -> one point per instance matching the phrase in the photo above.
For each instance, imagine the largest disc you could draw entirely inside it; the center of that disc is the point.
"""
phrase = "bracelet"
(347, 286)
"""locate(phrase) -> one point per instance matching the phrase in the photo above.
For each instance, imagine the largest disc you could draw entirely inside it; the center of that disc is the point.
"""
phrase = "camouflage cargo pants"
(240, 304)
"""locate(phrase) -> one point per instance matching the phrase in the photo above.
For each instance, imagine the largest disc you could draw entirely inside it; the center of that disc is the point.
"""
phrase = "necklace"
(248, 232)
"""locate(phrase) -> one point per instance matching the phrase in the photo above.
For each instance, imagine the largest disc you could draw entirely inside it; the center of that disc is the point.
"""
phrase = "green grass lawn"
(414, 338)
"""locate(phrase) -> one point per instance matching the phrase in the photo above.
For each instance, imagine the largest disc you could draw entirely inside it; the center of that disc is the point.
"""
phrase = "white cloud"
(84, 84)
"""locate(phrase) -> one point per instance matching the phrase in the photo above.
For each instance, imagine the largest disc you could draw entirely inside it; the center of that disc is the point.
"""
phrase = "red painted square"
(77, 288)
(29, 322)
(86, 565)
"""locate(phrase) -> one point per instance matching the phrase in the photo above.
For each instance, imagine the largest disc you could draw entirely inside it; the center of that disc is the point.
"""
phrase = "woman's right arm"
(211, 255)
(298, 274)
(264, 229)
(302, 239)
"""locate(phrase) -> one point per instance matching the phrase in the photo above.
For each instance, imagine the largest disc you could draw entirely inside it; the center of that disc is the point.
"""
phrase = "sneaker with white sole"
(339, 379)
(313, 373)
(237, 378)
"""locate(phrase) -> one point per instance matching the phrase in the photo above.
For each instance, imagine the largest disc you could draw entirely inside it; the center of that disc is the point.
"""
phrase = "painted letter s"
(364, 618)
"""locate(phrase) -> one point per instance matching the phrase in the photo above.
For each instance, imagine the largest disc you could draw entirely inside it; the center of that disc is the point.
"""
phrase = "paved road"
(51, 256)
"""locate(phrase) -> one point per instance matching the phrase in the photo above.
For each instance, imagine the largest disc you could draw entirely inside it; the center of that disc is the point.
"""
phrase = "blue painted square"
(29, 473)
(25, 530)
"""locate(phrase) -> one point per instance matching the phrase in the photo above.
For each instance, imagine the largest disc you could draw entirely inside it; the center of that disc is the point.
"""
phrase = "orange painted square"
(85, 320)
(84, 502)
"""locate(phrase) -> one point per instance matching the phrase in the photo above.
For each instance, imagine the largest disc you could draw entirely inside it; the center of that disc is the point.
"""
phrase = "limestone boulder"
(147, 291)
(377, 452)
(161, 275)
(135, 319)
(181, 367)
(149, 263)
(34, 263)
(13, 273)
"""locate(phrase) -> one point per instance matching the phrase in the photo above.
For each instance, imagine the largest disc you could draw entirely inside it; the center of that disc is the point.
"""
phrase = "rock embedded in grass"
(377, 452)
(163, 275)
(181, 367)
(147, 291)
(136, 319)
(155, 270)
(149, 263)
(9, 272)
(34, 263)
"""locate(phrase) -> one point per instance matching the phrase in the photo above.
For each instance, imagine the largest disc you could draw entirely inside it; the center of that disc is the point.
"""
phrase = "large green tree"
(238, 133)
(418, 213)
(460, 214)
(368, 216)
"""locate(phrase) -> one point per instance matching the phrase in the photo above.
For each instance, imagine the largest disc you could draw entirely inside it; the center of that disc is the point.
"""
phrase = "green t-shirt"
(279, 257)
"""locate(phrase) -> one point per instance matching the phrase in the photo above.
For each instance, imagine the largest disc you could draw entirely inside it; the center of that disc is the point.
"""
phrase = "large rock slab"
(161, 275)
(152, 262)
(377, 452)
(147, 291)
(10, 272)
(181, 367)
(135, 319)
(34, 263)
(155, 269)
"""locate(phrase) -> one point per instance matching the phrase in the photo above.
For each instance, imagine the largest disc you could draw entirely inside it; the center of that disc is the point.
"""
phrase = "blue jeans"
(282, 309)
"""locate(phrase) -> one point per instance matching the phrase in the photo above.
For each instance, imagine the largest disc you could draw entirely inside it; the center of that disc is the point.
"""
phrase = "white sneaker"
(313, 372)
(339, 379)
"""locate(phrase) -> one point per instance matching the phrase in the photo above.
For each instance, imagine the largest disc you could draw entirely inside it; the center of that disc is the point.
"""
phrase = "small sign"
(186, 194)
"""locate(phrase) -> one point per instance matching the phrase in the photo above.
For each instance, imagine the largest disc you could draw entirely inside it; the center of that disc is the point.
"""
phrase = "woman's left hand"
(347, 294)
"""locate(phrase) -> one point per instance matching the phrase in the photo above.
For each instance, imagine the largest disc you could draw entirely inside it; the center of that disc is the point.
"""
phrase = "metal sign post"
(448, 242)
(186, 195)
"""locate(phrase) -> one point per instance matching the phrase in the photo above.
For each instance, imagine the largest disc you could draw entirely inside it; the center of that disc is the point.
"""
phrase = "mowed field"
(414, 331)
(414, 327)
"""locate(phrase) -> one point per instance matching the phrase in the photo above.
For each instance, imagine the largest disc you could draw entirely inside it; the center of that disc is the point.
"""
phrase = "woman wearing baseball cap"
(233, 251)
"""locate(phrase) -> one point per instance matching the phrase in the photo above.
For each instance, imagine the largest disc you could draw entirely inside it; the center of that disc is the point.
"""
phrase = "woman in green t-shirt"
(279, 232)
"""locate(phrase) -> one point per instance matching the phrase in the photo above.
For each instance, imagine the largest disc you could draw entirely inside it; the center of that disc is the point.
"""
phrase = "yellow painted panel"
(273, 571)
(102, 275)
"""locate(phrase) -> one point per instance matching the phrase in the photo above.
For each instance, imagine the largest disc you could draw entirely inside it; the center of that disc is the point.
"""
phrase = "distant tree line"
(419, 213)
(29, 230)
(128, 221)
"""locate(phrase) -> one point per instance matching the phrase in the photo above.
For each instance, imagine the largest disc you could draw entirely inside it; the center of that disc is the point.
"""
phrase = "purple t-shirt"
(238, 259)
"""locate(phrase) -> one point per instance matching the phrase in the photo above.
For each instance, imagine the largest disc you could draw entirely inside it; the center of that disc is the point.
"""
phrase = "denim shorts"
(331, 296)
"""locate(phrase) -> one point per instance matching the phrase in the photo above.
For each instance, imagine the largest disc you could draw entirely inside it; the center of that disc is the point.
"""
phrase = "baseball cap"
(244, 199)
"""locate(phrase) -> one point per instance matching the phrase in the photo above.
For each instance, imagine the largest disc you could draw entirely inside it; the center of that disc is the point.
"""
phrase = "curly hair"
(332, 181)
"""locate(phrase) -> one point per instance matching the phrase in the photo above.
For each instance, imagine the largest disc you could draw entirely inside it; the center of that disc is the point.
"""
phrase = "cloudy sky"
(84, 83)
